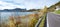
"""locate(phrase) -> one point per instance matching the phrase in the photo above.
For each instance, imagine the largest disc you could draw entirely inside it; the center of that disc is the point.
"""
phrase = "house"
(57, 7)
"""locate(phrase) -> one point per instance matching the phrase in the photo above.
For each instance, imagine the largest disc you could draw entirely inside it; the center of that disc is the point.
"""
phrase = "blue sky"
(28, 4)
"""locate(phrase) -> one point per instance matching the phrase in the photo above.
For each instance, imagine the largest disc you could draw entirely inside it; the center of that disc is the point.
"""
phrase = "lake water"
(5, 15)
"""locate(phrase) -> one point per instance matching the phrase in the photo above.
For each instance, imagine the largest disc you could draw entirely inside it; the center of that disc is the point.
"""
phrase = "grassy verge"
(42, 22)
(57, 11)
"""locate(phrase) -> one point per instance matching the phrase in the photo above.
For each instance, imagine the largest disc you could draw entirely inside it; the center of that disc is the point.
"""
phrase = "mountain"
(14, 10)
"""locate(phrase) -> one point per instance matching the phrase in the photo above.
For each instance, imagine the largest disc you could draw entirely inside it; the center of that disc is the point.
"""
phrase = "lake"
(4, 16)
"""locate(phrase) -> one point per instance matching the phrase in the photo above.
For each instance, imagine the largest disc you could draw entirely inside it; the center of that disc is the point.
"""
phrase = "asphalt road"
(53, 20)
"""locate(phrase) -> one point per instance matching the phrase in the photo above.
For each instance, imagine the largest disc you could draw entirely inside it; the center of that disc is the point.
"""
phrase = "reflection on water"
(4, 17)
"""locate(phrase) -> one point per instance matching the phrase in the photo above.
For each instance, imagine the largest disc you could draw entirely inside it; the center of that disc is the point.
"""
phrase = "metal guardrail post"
(45, 24)
(39, 21)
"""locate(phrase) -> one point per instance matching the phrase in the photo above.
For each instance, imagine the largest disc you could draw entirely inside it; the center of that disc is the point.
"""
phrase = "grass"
(57, 11)
(42, 22)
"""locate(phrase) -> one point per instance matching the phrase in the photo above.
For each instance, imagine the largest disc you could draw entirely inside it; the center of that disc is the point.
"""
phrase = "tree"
(45, 10)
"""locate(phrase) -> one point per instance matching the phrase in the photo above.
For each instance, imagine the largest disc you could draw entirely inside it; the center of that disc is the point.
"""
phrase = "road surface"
(53, 20)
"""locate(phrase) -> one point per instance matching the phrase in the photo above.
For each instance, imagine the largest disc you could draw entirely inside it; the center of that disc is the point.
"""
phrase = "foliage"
(45, 9)
(33, 21)
(57, 11)
(42, 22)
(11, 21)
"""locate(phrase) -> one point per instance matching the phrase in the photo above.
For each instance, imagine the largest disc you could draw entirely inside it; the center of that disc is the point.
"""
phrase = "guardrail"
(42, 18)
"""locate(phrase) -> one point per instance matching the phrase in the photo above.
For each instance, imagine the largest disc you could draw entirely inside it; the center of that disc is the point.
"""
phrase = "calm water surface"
(5, 15)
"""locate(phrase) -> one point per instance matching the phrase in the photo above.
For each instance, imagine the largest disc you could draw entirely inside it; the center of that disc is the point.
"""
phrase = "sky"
(28, 4)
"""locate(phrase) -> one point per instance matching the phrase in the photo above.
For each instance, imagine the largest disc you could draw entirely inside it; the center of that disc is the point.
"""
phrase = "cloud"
(29, 4)
(35, 3)
(5, 5)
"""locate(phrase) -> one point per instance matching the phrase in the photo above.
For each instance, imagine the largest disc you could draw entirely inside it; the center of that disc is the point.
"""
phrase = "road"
(53, 20)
